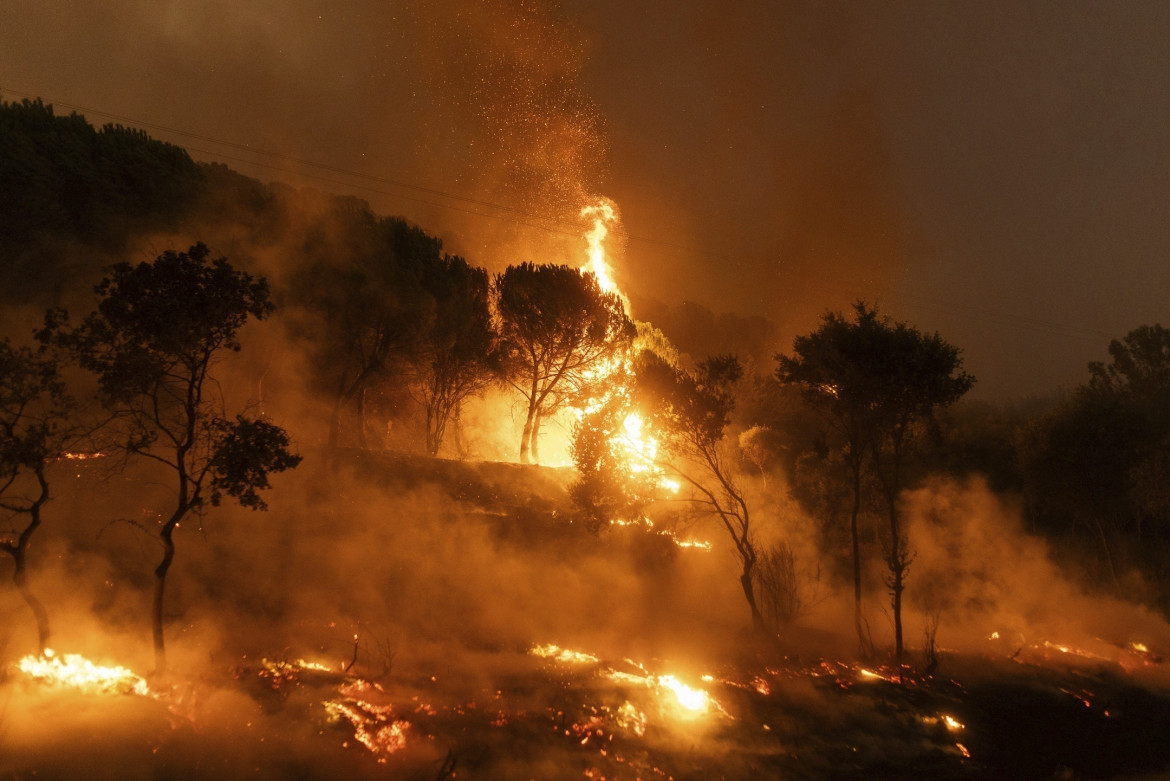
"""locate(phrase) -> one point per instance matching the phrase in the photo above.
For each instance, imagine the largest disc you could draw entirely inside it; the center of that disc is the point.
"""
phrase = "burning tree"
(557, 328)
(877, 382)
(153, 340)
(693, 410)
(34, 424)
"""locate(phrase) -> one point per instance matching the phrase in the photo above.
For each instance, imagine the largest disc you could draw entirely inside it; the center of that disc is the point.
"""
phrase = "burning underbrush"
(553, 712)
(381, 627)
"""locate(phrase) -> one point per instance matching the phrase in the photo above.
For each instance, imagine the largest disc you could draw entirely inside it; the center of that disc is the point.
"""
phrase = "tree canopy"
(557, 326)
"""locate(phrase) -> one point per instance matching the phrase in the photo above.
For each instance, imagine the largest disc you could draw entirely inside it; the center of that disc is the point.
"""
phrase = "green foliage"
(152, 341)
(874, 381)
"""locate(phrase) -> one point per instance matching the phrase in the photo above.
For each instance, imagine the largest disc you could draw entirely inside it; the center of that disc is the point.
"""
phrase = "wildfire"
(692, 699)
(374, 723)
(556, 653)
(602, 213)
(670, 690)
(74, 671)
(633, 444)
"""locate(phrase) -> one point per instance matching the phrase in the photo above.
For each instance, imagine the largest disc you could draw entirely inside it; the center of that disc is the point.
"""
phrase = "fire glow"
(667, 688)
(74, 671)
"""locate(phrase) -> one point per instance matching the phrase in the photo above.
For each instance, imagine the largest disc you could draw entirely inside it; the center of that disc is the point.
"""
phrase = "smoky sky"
(995, 171)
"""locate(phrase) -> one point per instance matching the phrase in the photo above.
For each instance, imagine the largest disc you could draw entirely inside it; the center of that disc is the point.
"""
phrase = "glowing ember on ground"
(630, 718)
(952, 723)
(76, 672)
(555, 652)
(374, 724)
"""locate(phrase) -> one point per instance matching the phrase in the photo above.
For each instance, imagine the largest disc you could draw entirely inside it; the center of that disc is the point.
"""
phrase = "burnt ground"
(547, 718)
(465, 696)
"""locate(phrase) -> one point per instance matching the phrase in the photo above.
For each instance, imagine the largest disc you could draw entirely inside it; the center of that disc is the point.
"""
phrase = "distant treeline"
(62, 178)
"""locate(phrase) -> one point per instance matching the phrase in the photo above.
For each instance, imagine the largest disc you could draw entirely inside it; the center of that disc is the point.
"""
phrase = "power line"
(541, 222)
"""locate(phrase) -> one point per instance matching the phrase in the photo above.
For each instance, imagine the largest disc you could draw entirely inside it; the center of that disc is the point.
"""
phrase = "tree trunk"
(166, 534)
(20, 580)
(335, 416)
(898, 565)
(432, 436)
(864, 645)
(526, 437)
(534, 449)
(360, 403)
(19, 553)
(749, 592)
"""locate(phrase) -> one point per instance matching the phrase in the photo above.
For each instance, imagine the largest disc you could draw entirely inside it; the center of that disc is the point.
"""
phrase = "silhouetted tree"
(363, 285)
(457, 356)
(1099, 460)
(833, 367)
(34, 425)
(157, 333)
(692, 410)
(556, 327)
(877, 382)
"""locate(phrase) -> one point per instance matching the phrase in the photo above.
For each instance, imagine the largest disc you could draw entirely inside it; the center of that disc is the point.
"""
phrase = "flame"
(633, 444)
(692, 699)
(602, 213)
(74, 671)
(374, 723)
(555, 652)
(693, 702)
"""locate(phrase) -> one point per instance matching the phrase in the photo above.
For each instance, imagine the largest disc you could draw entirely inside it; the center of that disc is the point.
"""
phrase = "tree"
(556, 327)
(693, 411)
(158, 331)
(876, 382)
(34, 424)
(1140, 368)
(1099, 460)
(362, 284)
(831, 366)
(457, 356)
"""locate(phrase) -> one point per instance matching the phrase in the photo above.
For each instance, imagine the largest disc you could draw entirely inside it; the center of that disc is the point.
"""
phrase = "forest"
(297, 443)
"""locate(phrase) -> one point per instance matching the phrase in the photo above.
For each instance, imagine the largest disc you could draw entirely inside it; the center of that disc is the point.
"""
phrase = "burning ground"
(417, 618)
